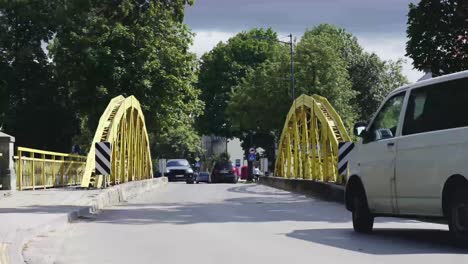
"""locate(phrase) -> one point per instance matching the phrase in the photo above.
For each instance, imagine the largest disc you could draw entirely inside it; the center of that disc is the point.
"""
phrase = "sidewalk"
(26, 214)
(4, 194)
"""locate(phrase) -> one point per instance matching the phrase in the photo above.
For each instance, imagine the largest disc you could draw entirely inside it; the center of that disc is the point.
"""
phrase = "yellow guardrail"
(44, 169)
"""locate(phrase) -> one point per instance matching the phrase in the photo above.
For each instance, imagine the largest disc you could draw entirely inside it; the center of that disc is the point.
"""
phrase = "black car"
(179, 170)
(223, 171)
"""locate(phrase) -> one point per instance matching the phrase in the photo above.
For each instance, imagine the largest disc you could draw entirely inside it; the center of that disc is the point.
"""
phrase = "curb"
(115, 195)
(108, 197)
(323, 190)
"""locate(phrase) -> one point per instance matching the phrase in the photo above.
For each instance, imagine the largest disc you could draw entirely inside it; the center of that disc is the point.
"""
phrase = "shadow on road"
(383, 241)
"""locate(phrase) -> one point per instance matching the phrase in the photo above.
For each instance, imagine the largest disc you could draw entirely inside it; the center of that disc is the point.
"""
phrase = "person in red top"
(244, 172)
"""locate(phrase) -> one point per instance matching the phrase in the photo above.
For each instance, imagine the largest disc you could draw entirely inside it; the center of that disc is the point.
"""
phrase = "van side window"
(437, 107)
(386, 121)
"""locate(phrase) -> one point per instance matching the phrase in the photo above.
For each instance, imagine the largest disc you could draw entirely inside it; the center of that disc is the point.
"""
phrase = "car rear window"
(223, 166)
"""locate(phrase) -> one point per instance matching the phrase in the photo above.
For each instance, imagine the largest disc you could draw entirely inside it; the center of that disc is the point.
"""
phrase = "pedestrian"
(257, 173)
(76, 149)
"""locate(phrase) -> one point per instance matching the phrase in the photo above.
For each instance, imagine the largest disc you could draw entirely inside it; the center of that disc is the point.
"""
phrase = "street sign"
(197, 159)
(197, 164)
(252, 150)
(103, 158)
(252, 157)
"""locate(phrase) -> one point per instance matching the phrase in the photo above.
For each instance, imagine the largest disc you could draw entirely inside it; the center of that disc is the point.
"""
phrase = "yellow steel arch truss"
(308, 147)
(123, 125)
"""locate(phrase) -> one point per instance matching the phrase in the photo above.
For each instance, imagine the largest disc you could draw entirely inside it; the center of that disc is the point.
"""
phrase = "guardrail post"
(20, 171)
(52, 167)
(62, 173)
(33, 170)
(43, 171)
(7, 165)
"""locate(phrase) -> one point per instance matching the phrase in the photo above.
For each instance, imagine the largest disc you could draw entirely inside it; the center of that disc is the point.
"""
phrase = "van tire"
(363, 221)
(458, 218)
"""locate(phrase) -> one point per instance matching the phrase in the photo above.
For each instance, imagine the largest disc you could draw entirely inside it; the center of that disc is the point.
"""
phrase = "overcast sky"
(379, 25)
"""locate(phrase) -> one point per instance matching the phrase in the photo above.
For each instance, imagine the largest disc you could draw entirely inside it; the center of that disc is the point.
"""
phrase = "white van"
(412, 158)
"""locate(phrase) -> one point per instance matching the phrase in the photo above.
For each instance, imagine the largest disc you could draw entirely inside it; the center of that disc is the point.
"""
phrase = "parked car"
(223, 171)
(179, 170)
(411, 160)
(203, 177)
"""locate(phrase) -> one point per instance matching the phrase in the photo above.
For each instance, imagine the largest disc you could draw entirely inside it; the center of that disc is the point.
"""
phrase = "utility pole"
(291, 49)
(292, 66)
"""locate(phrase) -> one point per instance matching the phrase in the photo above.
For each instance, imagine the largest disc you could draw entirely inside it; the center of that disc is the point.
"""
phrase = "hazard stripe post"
(103, 158)
(344, 150)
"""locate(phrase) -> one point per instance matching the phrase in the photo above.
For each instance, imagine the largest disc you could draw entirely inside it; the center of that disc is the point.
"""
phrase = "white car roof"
(444, 78)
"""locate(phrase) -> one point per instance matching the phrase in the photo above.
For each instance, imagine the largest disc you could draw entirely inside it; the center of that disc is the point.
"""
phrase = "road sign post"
(251, 158)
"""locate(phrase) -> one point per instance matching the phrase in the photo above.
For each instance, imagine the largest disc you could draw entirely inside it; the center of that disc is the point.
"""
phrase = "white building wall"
(235, 151)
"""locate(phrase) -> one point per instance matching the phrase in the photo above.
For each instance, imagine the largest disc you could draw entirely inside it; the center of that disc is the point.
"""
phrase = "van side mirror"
(359, 128)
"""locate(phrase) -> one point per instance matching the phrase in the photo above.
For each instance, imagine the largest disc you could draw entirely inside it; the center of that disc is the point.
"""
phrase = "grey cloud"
(357, 16)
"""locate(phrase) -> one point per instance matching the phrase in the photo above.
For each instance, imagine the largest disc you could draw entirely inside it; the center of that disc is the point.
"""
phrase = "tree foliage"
(372, 78)
(322, 70)
(97, 50)
(438, 35)
(329, 62)
(33, 106)
(223, 68)
(135, 48)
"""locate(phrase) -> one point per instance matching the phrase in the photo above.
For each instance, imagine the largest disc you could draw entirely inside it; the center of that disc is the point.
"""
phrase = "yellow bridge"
(308, 147)
(122, 124)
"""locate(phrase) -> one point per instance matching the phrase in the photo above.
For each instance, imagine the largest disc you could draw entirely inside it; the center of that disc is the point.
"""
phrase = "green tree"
(322, 69)
(438, 35)
(105, 48)
(371, 77)
(259, 104)
(33, 106)
(223, 68)
(329, 62)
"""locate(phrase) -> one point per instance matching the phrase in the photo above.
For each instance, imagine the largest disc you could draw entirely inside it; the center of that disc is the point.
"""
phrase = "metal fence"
(45, 169)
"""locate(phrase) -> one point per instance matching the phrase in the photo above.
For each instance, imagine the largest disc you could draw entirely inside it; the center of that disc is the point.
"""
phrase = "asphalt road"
(243, 223)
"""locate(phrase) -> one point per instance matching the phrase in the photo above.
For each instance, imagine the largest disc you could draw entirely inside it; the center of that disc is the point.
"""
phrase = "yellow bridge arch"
(308, 147)
(123, 125)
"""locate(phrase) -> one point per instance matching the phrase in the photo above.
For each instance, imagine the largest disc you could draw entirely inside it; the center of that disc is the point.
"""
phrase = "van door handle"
(390, 144)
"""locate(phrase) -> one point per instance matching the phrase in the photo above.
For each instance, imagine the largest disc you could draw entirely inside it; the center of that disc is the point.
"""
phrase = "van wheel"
(363, 221)
(458, 218)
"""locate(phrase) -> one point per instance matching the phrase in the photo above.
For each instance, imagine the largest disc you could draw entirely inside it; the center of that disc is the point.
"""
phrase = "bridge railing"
(45, 169)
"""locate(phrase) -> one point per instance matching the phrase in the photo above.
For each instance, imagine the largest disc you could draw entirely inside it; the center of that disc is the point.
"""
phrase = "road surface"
(243, 223)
